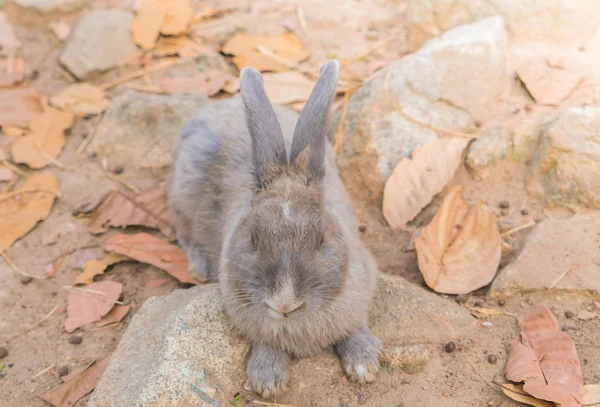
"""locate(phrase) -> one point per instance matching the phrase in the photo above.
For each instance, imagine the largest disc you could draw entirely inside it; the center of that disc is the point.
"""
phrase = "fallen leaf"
(19, 106)
(546, 360)
(77, 385)
(60, 231)
(120, 210)
(181, 45)
(115, 315)
(287, 87)
(12, 71)
(61, 29)
(414, 182)
(516, 392)
(93, 268)
(156, 282)
(149, 249)
(86, 307)
(169, 17)
(84, 98)
(232, 86)
(208, 83)
(459, 251)
(46, 140)
(22, 209)
(13, 131)
(285, 46)
(591, 395)
(8, 40)
(585, 315)
(80, 257)
(5, 174)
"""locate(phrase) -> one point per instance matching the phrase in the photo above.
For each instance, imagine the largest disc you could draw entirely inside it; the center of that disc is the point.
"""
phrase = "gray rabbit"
(266, 214)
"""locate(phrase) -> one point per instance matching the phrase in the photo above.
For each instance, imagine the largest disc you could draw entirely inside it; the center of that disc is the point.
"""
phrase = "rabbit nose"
(286, 308)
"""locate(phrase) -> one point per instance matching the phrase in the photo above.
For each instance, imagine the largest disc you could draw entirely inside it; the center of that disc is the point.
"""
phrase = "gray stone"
(180, 349)
(101, 41)
(553, 248)
(566, 168)
(141, 129)
(492, 146)
(51, 6)
(377, 135)
(411, 358)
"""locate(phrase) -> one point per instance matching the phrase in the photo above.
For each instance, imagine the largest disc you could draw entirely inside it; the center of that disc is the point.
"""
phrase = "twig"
(48, 157)
(264, 403)
(137, 74)
(480, 375)
(147, 88)
(340, 130)
(563, 274)
(517, 229)
(302, 20)
(89, 137)
(48, 315)
(18, 270)
(52, 366)
(99, 294)
(420, 123)
(14, 168)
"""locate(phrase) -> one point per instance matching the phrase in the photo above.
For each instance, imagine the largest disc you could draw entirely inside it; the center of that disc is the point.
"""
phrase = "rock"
(560, 21)
(411, 359)
(51, 6)
(585, 315)
(75, 340)
(566, 167)
(3, 352)
(135, 119)
(377, 136)
(492, 146)
(9, 43)
(100, 41)
(191, 350)
(548, 254)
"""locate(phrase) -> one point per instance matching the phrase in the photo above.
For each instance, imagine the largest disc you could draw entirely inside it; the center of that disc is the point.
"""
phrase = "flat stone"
(51, 6)
(100, 41)
(411, 358)
(423, 85)
(553, 248)
(180, 349)
(135, 120)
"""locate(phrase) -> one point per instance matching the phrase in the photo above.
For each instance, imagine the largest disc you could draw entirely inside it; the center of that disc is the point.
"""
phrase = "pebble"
(477, 123)
(527, 107)
(63, 371)
(3, 352)
(501, 302)
(493, 403)
(486, 324)
(504, 205)
(524, 212)
(26, 280)
(569, 314)
(461, 298)
(492, 359)
(75, 340)
(362, 228)
(450, 347)
(446, 394)
(118, 170)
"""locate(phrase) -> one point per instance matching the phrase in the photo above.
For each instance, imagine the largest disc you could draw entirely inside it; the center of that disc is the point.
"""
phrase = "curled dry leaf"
(61, 29)
(115, 315)
(77, 385)
(84, 98)
(516, 392)
(46, 140)
(287, 87)
(149, 249)
(459, 251)
(169, 17)
(285, 46)
(208, 83)
(21, 210)
(90, 306)
(546, 360)
(414, 182)
(93, 268)
(120, 210)
(12, 71)
(19, 106)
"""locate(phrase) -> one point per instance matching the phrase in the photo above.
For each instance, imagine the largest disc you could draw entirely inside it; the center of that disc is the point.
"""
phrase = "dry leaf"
(80, 257)
(149, 249)
(84, 98)
(591, 395)
(480, 312)
(415, 182)
(60, 231)
(5, 174)
(61, 29)
(46, 140)
(546, 360)
(516, 392)
(208, 83)
(77, 385)
(19, 106)
(13, 131)
(12, 71)
(115, 315)
(169, 17)
(21, 210)
(90, 306)
(156, 282)
(232, 86)
(120, 210)
(459, 251)
(287, 87)
(8, 40)
(93, 268)
(181, 45)
(285, 46)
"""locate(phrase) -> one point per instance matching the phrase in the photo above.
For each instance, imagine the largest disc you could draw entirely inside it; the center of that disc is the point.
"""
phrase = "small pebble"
(493, 403)
(486, 324)
(569, 314)
(485, 352)
(63, 371)
(477, 123)
(3, 352)
(446, 394)
(11, 364)
(26, 280)
(504, 205)
(516, 110)
(524, 212)
(450, 347)
(118, 170)
(75, 340)
(362, 228)
(92, 156)
(501, 302)
(478, 304)
(461, 298)
(527, 107)
(492, 359)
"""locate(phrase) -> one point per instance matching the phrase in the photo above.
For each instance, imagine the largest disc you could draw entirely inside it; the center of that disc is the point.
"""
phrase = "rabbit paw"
(360, 355)
(267, 371)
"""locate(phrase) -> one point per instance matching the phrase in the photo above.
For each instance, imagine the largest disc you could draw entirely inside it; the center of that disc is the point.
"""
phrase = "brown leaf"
(287, 87)
(84, 98)
(21, 210)
(115, 315)
(516, 392)
(19, 106)
(12, 71)
(169, 17)
(93, 268)
(149, 249)
(156, 282)
(414, 182)
(285, 46)
(80, 257)
(120, 210)
(181, 45)
(90, 306)
(546, 360)
(459, 251)
(46, 140)
(208, 83)
(5, 174)
(61, 29)
(77, 385)
(13, 131)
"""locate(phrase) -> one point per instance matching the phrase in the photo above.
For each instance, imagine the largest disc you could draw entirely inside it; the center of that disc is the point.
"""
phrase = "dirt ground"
(38, 352)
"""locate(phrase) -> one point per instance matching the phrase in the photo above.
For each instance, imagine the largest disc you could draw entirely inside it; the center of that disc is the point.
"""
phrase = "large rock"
(451, 82)
(141, 129)
(556, 247)
(51, 6)
(101, 41)
(180, 350)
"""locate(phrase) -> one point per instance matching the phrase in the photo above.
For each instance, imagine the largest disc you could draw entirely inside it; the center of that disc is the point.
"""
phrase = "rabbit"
(258, 205)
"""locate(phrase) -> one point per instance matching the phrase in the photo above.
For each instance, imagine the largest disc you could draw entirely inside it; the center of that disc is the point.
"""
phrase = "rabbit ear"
(311, 130)
(267, 139)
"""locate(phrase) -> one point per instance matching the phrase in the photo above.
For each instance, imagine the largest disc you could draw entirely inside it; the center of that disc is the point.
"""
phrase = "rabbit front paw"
(267, 371)
(360, 355)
